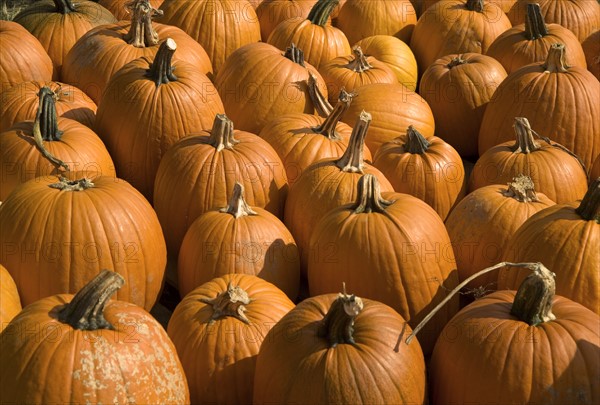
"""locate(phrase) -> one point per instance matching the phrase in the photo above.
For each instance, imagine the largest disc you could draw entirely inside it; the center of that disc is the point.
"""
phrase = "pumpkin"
(273, 12)
(582, 17)
(455, 27)
(259, 83)
(119, 7)
(60, 233)
(483, 223)
(10, 304)
(58, 24)
(198, 172)
(220, 26)
(542, 348)
(103, 50)
(364, 18)
(555, 171)
(566, 237)
(458, 88)
(529, 42)
(426, 168)
(351, 72)
(393, 108)
(595, 172)
(591, 49)
(395, 54)
(321, 41)
(553, 96)
(103, 351)
(48, 145)
(22, 57)
(20, 102)
(164, 101)
(339, 349)
(218, 329)
(238, 239)
(505, 5)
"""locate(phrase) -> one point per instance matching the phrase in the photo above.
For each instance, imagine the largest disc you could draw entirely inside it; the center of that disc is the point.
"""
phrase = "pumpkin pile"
(300, 201)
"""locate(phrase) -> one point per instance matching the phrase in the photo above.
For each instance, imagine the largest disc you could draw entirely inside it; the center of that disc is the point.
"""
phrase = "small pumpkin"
(119, 7)
(591, 49)
(10, 303)
(273, 12)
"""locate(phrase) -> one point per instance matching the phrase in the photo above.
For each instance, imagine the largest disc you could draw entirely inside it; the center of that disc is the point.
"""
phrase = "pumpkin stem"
(475, 5)
(221, 134)
(238, 207)
(65, 184)
(295, 54)
(45, 126)
(415, 142)
(556, 62)
(369, 198)
(525, 142)
(589, 208)
(456, 61)
(141, 32)
(352, 160)
(161, 70)
(535, 26)
(229, 303)
(338, 324)
(64, 6)
(521, 189)
(86, 309)
(530, 266)
(320, 102)
(360, 63)
(320, 12)
(327, 128)
(533, 301)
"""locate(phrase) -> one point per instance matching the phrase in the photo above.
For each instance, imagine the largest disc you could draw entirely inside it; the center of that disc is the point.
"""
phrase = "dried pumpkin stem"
(229, 303)
(64, 6)
(320, 12)
(221, 134)
(521, 189)
(589, 208)
(324, 109)
(45, 126)
(86, 309)
(327, 128)
(161, 70)
(415, 142)
(456, 61)
(475, 5)
(295, 54)
(535, 26)
(238, 207)
(360, 63)
(141, 32)
(533, 301)
(65, 184)
(352, 160)
(556, 62)
(369, 198)
(525, 142)
(338, 324)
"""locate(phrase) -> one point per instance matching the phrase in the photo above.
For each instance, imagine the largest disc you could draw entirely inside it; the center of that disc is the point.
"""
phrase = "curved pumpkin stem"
(352, 160)
(161, 70)
(86, 309)
(324, 109)
(64, 6)
(238, 207)
(589, 208)
(415, 142)
(230, 302)
(456, 61)
(45, 126)
(475, 5)
(320, 12)
(556, 62)
(338, 324)
(295, 54)
(221, 134)
(521, 189)
(65, 184)
(327, 128)
(533, 301)
(141, 32)
(369, 198)
(535, 26)
(360, 63)
(525, 142)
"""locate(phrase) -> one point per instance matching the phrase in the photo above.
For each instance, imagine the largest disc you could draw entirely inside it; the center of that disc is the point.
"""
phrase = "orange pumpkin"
(103, 351)
(76, 228)
(505, 5)
(119, 7)
(218, 329)
(10, 303)
(595, 172)
(273, 12)
(591, 48)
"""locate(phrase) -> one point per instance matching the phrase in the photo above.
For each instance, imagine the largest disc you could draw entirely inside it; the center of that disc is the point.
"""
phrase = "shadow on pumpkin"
(273, 257)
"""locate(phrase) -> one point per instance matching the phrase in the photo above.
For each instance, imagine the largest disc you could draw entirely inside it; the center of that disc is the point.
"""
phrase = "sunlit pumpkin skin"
(505, 5)
(105, 49)
(20, 102)
(22, 57)
(455, 27)
(133, 363)
(395, 54)
(198, 173)
(582, 17)
(119, 7)
(426, 168)
(591, 48)
(273, 12)
(566, 237)
(393, 107)
(221, 345)
(364, 18)
(259, 83)
(10, 304)
(298, 363)
(75, 231)
(58, 24)
(483, 223)
(238, 239)
(220, 26)
(529, 43)
(458, 89)
(553, 97)
(173, 101)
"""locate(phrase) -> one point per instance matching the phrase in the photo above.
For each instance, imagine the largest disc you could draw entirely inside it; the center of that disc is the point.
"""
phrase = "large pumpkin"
(505, 5)
(458, 88)
(163, 101)
(10, 303)
(339, 350)
(198, 173)
(591, 48)
(553, 96)
(273, 12)
(218, 329)
(60, 233)
(89, 349)
(119, 7)
(58, 24)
